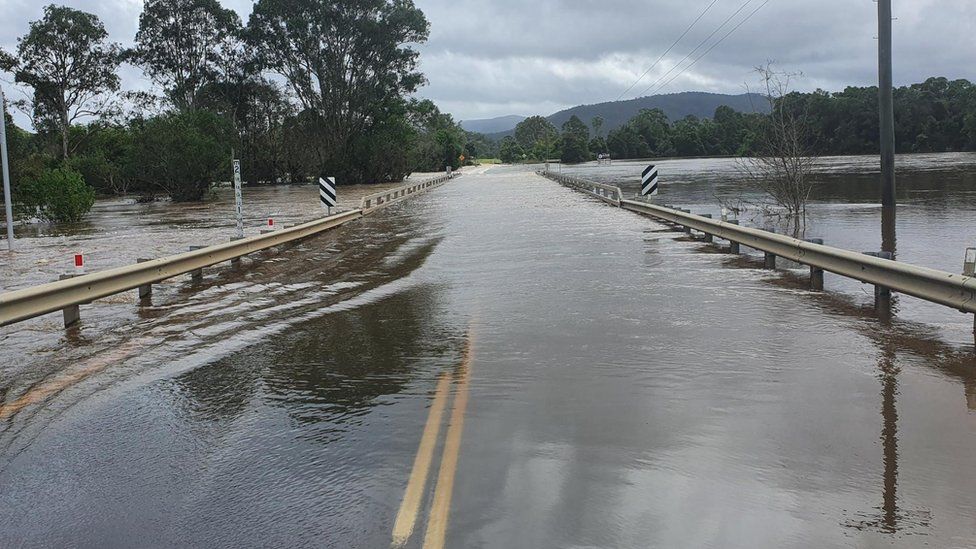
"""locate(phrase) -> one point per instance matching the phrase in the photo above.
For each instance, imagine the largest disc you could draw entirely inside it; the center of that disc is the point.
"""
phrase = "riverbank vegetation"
(938, 115)
(290, 107)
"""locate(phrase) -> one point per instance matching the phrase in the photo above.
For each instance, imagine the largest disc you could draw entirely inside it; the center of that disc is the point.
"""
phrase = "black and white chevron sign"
(649, 181)
(327, 192)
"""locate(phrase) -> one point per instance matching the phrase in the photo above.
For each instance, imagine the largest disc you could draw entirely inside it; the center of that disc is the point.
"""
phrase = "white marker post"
(327, 193)
(7, 201)
(238, 199)
(649, 181)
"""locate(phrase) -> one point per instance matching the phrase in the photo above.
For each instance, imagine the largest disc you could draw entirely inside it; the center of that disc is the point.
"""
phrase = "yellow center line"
(440, 509)
(410, 507)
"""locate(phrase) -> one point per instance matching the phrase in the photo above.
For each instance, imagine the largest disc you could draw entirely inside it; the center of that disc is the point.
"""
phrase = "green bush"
(179, 154)
(56, 195)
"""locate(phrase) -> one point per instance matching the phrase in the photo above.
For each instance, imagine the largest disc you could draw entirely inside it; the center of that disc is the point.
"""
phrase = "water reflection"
(893, 516)
(329, 370)
(889, 437)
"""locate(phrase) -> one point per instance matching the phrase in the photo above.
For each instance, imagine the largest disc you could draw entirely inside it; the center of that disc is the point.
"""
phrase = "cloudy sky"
(496, 57)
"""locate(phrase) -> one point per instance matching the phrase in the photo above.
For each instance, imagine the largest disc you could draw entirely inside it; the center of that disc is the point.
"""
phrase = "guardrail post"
(769, 260)
(71, 313)
(708, 238)
(197, 275)
(733, 245)
(687, 229)
(816, 273)
(145, 291)
(236, 262)
(882, 295)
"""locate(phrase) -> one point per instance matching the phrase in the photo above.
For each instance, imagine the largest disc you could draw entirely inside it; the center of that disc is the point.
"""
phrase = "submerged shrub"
(56, 195)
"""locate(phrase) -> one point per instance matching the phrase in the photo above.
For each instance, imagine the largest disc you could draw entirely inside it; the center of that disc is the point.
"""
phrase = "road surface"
(499, 363)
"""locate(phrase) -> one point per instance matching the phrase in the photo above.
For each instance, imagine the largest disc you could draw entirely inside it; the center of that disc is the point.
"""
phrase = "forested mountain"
(675, 105)
(938, 115)
(492, 125)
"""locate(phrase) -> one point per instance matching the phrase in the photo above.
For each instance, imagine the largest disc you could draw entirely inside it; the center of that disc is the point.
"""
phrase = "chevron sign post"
(649, 186)
(327, 193)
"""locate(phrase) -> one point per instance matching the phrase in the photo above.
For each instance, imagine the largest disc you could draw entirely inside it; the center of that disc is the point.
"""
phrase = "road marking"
(93, 366)
(437, 523)
(410, 507)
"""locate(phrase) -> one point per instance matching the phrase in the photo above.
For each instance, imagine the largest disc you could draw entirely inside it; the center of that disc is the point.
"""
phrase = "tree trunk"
(64, 134)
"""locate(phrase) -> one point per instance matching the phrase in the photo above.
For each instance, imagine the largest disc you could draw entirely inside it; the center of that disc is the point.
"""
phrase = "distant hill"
(492, 125)
(675, 105)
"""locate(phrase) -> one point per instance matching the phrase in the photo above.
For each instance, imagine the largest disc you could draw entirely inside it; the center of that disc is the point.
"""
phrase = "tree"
(256, 108)
(56, 195)
(101, 158)
(22, 154)
(184, 45)
(349, 65)
(654, 129)
(782, 167)
(598, 145)
(574, 141)
(65, 59)
(179, 154)
(597, 124)
(440, 139)
(533, 130)
(510, 150)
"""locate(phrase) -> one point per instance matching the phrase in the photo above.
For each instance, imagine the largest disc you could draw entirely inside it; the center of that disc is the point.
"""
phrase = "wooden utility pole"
(886, 98)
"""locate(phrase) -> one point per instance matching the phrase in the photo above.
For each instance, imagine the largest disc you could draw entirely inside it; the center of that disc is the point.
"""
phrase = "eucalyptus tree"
(71, 68)
(597, 124)
(575, 141)
(186, 45)
(536, 130)
(349, 63)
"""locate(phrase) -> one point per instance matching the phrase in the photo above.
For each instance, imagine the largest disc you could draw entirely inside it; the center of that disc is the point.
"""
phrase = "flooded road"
(936, 208)
(119, 230)
(499, 363)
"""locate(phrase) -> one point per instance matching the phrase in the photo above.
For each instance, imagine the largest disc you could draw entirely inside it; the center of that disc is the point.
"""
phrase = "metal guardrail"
(30, 302)
(607, 193)
(385, 198)
(951, 290)
(27, 303)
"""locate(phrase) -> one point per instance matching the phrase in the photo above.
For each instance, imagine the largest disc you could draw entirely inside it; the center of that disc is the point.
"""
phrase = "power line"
(715, 45)
(673, 44)
(699, 46)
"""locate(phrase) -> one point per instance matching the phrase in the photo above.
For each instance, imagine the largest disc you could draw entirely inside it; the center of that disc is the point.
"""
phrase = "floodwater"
(118, 231)
(934, 221)
(501, 362)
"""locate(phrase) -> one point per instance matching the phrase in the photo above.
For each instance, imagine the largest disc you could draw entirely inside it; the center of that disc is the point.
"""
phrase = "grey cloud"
(489, 58)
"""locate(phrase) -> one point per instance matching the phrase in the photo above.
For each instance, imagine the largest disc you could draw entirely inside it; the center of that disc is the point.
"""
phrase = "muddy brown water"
(626, 387)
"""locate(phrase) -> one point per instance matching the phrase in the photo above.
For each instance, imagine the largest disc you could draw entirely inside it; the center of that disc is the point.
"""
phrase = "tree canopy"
(184, 45)
(349, 65)
(66, 60)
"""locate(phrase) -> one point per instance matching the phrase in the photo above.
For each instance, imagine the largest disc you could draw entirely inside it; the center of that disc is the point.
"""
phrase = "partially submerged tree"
(510, 151)
(179, 154)
(440, 141)
(782, 167)
(575, 141)
(349, 65)
(535, 130)
(56, 195)
(71, 68)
